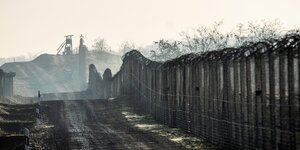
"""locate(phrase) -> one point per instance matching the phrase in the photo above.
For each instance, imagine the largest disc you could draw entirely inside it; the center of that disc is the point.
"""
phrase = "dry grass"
(11, 120)
(147, 123)
(3, 110)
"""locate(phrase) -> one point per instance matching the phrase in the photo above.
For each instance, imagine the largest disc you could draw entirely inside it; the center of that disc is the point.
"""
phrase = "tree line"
(206, 38)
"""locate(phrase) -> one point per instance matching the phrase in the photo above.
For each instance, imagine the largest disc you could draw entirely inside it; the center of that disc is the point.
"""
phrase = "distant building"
(6, 83)
(82, 63)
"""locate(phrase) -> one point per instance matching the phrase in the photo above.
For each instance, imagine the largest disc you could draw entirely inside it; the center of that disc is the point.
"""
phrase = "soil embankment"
(13, 119)
(57, 73)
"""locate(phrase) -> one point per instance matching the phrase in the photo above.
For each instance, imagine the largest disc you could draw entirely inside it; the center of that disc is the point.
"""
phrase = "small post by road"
(26, 134)
(37, 110)
(39, 97)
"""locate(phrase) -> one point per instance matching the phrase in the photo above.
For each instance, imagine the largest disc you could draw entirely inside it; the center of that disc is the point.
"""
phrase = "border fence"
(239, 98)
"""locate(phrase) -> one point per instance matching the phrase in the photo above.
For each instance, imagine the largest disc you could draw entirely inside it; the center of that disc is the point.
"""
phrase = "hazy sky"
(33, 26)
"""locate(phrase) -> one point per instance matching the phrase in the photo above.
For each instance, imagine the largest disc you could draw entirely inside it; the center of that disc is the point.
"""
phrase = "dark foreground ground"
(97, 124)
(89, 124)
(13, 119)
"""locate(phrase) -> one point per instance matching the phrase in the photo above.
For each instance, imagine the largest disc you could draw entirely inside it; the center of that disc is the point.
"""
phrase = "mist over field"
(149, 74)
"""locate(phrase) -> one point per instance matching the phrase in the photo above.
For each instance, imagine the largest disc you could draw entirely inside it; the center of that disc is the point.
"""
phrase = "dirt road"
(97, 124)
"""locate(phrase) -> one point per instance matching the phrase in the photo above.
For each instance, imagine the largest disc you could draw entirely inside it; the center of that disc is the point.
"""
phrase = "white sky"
(32, 26)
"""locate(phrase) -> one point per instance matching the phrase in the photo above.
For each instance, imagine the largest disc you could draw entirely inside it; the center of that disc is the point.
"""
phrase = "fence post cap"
(26, 132)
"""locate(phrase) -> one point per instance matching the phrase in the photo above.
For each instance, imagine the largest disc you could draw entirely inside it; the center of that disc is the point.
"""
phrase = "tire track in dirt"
(76, 127)
(99, 124)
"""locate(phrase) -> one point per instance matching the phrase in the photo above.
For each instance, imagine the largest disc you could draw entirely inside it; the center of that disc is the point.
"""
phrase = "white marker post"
(26, 134)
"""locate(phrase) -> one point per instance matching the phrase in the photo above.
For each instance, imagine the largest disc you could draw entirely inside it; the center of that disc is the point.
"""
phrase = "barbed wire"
(290, 41)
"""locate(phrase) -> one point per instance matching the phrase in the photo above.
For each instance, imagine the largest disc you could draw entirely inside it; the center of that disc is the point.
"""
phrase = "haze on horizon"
(35, 26)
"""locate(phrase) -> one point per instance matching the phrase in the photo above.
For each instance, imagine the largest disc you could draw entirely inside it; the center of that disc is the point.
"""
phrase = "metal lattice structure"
(67, 45)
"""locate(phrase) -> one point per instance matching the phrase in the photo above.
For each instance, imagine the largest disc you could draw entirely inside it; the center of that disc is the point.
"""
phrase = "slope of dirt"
(56, 73)
(14, 118)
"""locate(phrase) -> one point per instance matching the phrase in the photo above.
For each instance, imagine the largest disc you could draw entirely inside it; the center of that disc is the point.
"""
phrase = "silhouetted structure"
(95, 84)
(107, 77)
(6, 83)
(68, 46)
(82, 62)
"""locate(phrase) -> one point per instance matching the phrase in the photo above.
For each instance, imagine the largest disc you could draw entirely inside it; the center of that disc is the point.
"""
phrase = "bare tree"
(126, 47)
(205, 38)
(101, 45)
(166, 50)
(256, 31)
(239, 35)
(211, 38)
